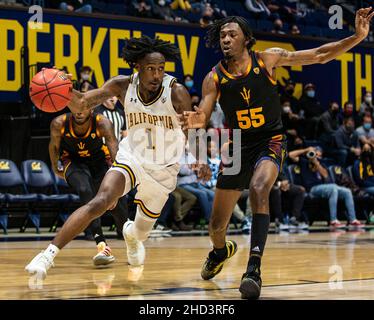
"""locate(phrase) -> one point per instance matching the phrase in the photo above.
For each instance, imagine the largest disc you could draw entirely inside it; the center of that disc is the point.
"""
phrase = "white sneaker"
(39, 265)
(104, 255)
(135, 248)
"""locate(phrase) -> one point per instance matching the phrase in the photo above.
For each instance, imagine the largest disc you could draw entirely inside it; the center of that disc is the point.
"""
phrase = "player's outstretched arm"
(276, 57)
(106, 130)
(200, 117)
(115, 86)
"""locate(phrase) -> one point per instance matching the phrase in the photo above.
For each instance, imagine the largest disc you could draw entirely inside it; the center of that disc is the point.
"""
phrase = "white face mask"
(286, 109)
(85, 76)
(368, 99)
(161, 3)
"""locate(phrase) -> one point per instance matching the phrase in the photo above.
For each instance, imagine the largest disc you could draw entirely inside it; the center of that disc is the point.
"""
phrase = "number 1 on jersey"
(150, 140)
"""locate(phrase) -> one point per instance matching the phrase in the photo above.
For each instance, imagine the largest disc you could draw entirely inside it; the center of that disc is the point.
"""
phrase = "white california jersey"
(154, 137)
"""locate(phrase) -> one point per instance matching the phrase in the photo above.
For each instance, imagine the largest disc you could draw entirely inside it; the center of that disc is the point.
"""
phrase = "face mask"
(367, 126)
(368, 99)
(348, 112)
(85, 76)
(277, 27)
(189, 84)
(311, 93)
(161, 3)
(349, 128)
(286, 109)
(334, 111)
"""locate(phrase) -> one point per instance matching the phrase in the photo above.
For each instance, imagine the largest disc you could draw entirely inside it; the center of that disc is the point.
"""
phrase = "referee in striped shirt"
(113, 110)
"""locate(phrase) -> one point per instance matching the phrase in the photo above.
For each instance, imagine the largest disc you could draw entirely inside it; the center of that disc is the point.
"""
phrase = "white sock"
(52, 251)
(142, 226)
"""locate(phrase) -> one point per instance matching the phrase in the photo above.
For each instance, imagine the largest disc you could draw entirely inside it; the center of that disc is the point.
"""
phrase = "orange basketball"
(50, 90)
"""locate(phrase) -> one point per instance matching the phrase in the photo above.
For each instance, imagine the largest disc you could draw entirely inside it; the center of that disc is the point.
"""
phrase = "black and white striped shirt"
(116, 116)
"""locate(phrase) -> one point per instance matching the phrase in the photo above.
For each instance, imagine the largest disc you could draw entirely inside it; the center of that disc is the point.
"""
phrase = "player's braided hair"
(136, 49)
(213, 33)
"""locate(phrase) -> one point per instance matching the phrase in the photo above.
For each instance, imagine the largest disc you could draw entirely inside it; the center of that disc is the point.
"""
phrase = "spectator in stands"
(315, 179)
(195, 99)
(218, 13)
(142, 9)
(207, 16)
(189, 84)
(84, 84)
(311, 110)
(288, 94)
(295, 30)
(113, 110)
(367, 104)
(278, 27)
(328, 124)
(291, 123)
(181, 4)
(188, 180)
(217, 118)
(366, 132)
(162, 11)
(285, 192)
(184, 201)
(363, 169)
(76, 5)
(346, 143)
(258, 8)
(349, 111)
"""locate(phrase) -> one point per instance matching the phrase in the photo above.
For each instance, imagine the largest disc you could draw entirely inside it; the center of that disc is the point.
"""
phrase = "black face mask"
(335, 111)
(277, 27)
(349, 129)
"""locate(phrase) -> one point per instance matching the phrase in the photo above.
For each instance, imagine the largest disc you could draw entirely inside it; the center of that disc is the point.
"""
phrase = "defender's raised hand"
(192, 119)
(362, 23)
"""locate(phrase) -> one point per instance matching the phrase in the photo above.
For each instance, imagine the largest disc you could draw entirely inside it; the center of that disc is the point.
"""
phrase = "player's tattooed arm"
(276, 57)
(106, 130)
(115, 86)
(54, 143)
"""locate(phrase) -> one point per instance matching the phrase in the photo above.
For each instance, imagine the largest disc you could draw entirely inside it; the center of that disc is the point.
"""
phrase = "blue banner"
(69, 40)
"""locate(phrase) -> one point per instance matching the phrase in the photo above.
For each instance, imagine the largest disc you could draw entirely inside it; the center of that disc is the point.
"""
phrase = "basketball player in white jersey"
(152, 100)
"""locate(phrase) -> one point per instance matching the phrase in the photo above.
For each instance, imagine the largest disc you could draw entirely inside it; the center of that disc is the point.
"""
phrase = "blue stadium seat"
(38, 178)
(334, 171)
(14, 191)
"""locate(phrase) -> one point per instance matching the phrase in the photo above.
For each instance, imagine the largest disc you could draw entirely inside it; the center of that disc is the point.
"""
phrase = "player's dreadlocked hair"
(136, 49)
(213, 33)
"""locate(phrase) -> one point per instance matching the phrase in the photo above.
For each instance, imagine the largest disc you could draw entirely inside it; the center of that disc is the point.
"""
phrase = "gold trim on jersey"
(129, 171)
(72, 130)
(231, 76)
(98, 118)
(62, 131)
(216, 81)
(151, 102)
(145, 210)
(263, 67)
(172, 82)
(66, 169)
(131, 78)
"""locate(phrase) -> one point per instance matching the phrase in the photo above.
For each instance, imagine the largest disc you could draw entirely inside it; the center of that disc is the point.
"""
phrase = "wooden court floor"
(295, 266)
